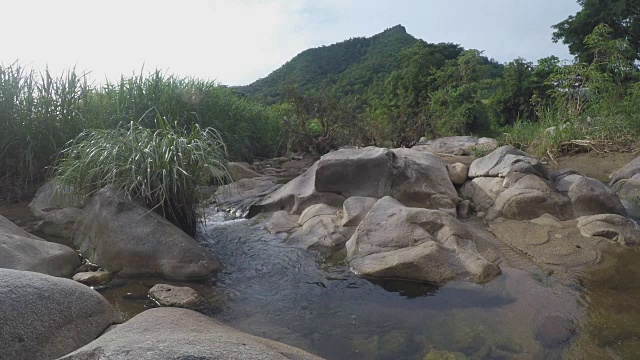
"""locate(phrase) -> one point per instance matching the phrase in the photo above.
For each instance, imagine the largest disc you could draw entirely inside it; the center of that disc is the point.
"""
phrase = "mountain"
(349, 67)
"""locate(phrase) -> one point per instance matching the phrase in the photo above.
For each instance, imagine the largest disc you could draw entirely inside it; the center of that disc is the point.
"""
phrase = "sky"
(235, 42)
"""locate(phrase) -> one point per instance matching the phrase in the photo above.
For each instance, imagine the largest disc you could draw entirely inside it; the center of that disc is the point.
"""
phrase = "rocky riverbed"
(422, 253)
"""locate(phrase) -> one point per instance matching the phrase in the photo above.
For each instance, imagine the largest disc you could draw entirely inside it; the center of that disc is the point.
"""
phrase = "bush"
(160, 167)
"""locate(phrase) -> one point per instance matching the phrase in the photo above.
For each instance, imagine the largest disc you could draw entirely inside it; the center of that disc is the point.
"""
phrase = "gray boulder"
(239, 171)
(483, 191)
(173, 333)
(611, 226)
(92, 278)
(53, 195)
(413, 177)
(505, 160)
(457, 145)
(458, 173)
(59, 225)
(588, 196)
(178, 296)
(399, 242)
(626, 172)
(321, 229)
(45, 317)
(355, 209)
(20, 250)
(242, 193)
(281, 221)
(124, 237)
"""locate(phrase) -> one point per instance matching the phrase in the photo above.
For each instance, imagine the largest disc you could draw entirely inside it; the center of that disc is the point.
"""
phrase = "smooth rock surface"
(458, 173)
(92, 278)
(45, 317)
(317, 210)
(398, 242)
(483, 191)
(173, 333)
(588, 196)
(242, 193)
(53, 195)
(239, 171)
(505, 160)
(628, 190)
(355, 209)
(124, 237)
(322, 232)
(281, 221)
(169, 295)
(60, 225)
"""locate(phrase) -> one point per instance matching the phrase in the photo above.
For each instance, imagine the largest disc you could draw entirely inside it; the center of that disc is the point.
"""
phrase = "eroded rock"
(178, 296)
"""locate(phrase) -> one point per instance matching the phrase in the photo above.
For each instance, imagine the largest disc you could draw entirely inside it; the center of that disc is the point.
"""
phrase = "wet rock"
(60, 225)
(355, 209)
(413, 177)
(52, 196)
(464, 209)
(44, 317)
(395, 241)
(172, 333)
(458, 173)
(243, 193)
(239, 171)
(92, 278)
(613, 227)
(588, 196)
(505, 160)
(457, 145)
(321, 232)
(127, 238)
(555, 331)
(168, 295)
(281, 221)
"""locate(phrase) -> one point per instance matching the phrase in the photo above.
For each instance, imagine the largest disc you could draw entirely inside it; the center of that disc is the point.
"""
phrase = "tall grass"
(161, 167)
(40, 113)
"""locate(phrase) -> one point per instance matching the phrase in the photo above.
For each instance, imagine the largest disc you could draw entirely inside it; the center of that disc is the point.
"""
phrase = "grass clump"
(161, 167)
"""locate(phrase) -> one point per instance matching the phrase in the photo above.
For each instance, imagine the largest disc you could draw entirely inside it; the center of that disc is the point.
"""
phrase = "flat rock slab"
(92, 278)
(178, 296)
(173, 333)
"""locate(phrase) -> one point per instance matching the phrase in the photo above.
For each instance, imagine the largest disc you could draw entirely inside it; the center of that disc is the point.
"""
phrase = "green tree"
(621, 16)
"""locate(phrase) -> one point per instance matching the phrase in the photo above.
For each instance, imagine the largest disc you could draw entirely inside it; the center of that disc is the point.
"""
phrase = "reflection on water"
(291, 295)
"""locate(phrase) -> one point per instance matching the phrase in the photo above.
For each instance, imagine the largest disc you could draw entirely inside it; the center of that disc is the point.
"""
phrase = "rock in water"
(20, 250)
(44, 317)
(92, 278)
(173, 333)
(398, 242)
(168, 295)
(613, 227)
(124, 237)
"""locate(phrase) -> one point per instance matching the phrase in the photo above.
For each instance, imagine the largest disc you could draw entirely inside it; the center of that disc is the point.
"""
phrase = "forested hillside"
(350, 67)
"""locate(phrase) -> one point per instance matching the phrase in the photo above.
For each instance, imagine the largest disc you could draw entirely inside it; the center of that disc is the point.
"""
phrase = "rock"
(45, 317)
(240, 171)
(415, 178)
(398, 242)
(628, 191)
(168, 295)
(281, 221)
(53, 195)
(458, 173)
(60, 225)
(20, 250)
(355, 209)
(626, 172)
(92, 278)
(555, 331)
(589, 196)
(124, 237)
(483, 191)
(529, 198)
(321, 232)
(505, 160)
(613, 227)
(173, 333)
(242, 193)
(464, 209)
(457, 145)
(444, 355)
(317, 210)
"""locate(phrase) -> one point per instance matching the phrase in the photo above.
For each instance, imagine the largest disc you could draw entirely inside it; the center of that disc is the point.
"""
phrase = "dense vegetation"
(399, 90)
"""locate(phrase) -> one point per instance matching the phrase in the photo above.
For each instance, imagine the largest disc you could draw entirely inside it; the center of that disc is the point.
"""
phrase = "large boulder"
(59, 225)
(458, 145)
(45, 317)
(626, 183)
(321, 229)
(20, 250)
(529, 197)
(415, 178)
(239, 171)
(483, 191)
(122, 236)
(53, 195)
(611, 226)
(355, 209)
(244, 192)
(588, 196)
(173, 333)
(399, 242)
(505, 160)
